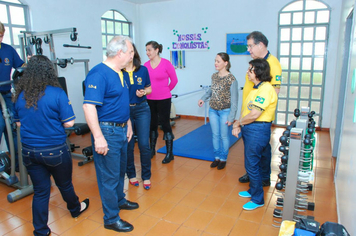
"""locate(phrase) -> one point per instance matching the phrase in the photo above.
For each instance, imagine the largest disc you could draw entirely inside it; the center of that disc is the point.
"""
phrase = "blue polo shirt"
(9, 59)
(43, 126)
(137, 80)
(103, 88)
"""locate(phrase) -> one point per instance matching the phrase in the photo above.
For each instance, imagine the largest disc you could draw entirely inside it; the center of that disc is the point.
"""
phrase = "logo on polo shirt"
(139, 81)
(91, 86)
(7, 61)
(249, 106)
(278, 78)
(259, 100)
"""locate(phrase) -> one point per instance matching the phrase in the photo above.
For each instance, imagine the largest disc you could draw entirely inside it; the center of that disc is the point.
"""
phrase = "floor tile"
(179, 214)
(167, 228)
(220, 225)
(199, 219)
(187, 196)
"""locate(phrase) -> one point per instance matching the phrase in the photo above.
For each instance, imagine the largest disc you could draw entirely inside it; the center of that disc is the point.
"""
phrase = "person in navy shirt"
(138, 80)
(9, 59)
(43, 111)
(107, 112)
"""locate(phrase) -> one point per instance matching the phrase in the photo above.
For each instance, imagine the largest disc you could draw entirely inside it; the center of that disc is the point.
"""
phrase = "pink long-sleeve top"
(163, 80)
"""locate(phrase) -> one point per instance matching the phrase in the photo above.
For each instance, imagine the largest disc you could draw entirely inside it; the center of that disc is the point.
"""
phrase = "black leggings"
(160, 112)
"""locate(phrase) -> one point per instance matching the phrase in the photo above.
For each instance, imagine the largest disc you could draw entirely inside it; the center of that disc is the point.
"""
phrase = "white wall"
(85, 16)
(156, 21)
(229, 16)
(345, 180)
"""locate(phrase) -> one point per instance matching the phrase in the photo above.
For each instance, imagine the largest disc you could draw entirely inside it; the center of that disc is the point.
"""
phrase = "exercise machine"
(7, 164)
(32, 39)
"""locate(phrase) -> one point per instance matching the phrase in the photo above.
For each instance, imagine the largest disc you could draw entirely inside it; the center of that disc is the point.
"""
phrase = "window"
(13, 14)
(113, 23)
(303, 35)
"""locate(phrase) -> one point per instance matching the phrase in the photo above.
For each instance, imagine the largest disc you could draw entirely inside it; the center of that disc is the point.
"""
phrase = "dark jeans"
(160, 114)
(140, 116)
(10, 108)
(256, 137)
(41, 163)
(110, 171)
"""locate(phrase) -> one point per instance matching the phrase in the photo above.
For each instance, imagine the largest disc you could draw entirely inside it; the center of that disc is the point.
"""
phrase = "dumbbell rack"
(294, 178)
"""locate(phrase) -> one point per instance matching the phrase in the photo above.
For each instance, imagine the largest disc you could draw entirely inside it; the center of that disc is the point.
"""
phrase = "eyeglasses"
(250, 46)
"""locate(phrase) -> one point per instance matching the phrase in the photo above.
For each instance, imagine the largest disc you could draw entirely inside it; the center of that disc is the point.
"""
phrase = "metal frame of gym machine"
(48, 36)
(22, 185)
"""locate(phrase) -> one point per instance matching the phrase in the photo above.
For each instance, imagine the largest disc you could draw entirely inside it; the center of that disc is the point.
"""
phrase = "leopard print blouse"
(220, 87)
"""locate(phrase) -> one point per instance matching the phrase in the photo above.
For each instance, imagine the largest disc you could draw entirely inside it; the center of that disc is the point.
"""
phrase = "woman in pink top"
(163, 79)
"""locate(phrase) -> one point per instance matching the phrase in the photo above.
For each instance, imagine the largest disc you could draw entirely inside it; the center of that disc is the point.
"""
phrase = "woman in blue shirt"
(137, 78)
(43, 111)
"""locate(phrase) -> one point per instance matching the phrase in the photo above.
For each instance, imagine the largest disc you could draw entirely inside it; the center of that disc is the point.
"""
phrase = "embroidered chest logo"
(278, 78)
(139, 81)
(259, 99)
(7, 61)
(91, 86)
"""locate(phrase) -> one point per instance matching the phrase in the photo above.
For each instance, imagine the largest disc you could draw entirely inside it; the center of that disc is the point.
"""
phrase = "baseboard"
(273, 125)
(193, 117)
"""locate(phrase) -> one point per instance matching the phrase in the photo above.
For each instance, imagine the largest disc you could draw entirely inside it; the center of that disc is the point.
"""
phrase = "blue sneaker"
(251, 206)
(244, 194)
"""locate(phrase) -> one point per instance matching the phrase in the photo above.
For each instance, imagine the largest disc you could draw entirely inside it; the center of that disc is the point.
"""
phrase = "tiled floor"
(187, 197)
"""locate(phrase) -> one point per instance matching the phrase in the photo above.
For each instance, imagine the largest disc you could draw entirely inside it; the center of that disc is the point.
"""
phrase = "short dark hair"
(258, 37)
(262, 69)
(226, 58)
(155, 45)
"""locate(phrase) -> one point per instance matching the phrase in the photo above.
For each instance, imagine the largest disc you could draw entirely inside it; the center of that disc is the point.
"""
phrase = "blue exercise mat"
(197, 144)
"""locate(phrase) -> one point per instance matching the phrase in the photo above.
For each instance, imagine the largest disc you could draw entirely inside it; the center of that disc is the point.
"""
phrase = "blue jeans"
(41, 163)
(10, 108)
(110, 171)
(140, 116)
(220, 130)
(256, 137)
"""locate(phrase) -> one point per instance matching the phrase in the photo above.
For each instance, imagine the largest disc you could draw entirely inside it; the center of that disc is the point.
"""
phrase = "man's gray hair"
(116, 44)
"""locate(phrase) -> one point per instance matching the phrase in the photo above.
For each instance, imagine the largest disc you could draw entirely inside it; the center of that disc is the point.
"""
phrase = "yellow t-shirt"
(263, 98)
(276, 73)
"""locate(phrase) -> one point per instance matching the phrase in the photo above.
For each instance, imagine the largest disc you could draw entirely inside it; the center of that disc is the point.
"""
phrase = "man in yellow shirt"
(257, 44)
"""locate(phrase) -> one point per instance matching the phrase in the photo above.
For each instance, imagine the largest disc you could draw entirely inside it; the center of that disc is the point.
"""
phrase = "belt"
(5, 92)
(262, 122)
(113, 124)
(135, 104)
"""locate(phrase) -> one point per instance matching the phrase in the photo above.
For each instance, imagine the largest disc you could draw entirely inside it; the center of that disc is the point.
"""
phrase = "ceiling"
(145, 1)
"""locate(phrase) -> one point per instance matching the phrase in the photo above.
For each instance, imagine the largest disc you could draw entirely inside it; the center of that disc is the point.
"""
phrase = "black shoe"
(244, 178)
(221, 165)
(266, 183)
(128, 205)
(215, 163)
(86, 201)
(169, 145)
(120, 226)
(49, 233)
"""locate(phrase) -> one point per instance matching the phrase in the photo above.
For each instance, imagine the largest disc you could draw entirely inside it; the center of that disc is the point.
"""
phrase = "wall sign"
(190, 40)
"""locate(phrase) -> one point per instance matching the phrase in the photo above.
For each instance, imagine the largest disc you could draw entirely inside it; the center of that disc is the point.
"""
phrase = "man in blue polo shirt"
(107, 112)
(8, 59)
